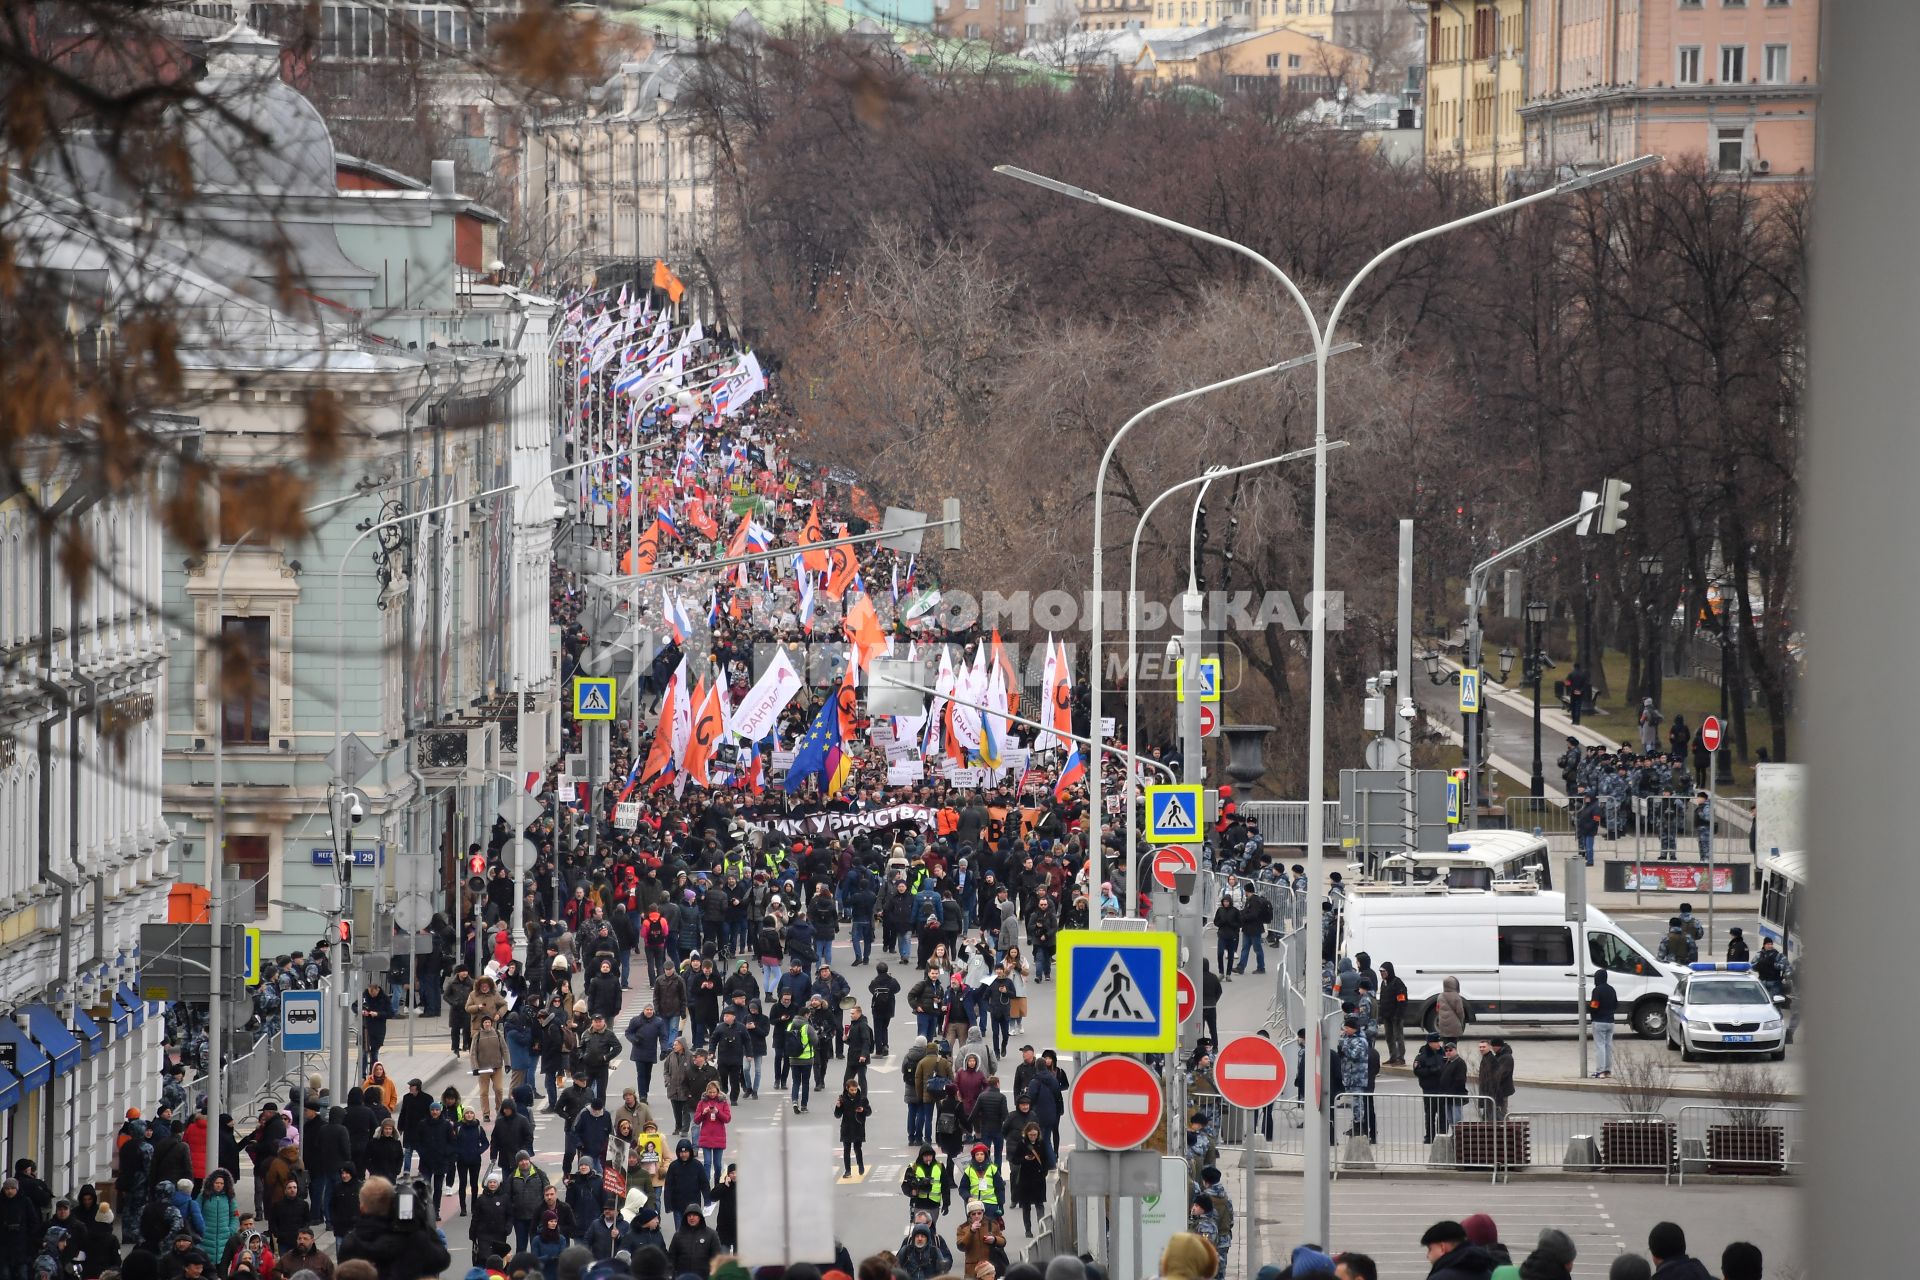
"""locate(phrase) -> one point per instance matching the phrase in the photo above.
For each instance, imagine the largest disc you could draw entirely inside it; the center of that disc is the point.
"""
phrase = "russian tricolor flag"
(1075, 771)
(676, 615)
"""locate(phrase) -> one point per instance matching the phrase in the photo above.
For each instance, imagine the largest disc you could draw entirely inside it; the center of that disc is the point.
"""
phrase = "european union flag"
(818, 749)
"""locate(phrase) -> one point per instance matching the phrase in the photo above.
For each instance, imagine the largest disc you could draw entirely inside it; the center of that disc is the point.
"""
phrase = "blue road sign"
(1116, 991)
(1175, 814)
(303, 1023)
(1470, 691)
(1206, 680)
(593, 698)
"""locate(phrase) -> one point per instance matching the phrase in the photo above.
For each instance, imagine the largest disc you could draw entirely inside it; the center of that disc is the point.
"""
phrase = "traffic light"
(346, 943)
(476, 872)
(1613, 505)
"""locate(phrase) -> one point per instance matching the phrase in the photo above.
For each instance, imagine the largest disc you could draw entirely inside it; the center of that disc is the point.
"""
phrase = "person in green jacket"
(221, 1211)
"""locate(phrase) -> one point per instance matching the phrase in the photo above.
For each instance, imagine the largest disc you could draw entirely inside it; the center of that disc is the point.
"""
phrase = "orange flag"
(663, 278)
(640, 559)
(707, 727)
(863, 630)
(1006, 674)
(660, 755)
(697, 516)
(813, 561)
(842, 567)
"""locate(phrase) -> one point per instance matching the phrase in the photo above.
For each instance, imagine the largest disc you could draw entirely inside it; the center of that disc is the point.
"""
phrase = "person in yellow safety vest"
(924, 1183)
(980, 1180)
(801, 1047)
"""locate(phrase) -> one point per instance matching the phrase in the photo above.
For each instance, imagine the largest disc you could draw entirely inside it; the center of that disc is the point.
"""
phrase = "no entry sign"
(1175, 857)
(1209, 720)
(1250, 1072)
(1710, 733)
(1185, 998)
(1115, 1103)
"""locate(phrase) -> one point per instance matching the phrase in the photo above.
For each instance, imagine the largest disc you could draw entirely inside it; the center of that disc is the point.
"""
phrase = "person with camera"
(395, 1233)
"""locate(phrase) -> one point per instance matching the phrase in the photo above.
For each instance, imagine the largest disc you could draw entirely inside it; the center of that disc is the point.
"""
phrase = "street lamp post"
(1721, 761)
(1316, 1206)
(1200, 481)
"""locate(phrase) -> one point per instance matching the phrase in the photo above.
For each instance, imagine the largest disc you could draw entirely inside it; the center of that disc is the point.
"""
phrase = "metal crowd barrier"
(1417, 1131)
(1598, 1141)
(1278, 1124)
(1716, 1138)
(1285, 821)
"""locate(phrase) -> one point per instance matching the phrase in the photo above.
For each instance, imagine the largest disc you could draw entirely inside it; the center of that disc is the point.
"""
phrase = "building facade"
(1476, 82)
(1736, 81)
(85, 851)
(624, 181)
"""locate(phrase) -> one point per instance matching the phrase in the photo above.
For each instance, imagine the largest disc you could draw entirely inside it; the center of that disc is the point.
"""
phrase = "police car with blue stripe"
(1724, 1009)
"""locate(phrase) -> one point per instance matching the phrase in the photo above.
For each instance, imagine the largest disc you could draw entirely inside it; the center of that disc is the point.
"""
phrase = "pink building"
(1733, 80)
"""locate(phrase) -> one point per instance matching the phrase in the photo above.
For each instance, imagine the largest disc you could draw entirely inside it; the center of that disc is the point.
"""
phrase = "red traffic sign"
(1710, 733)
(1115, 1103)
(1209, 721)
(477, 864)
(1250, 1072)
(1172, 858)
(1185, 997)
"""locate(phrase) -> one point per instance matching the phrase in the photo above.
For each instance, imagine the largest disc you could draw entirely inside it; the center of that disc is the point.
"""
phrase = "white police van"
(1724, 1009)
(1511, 947)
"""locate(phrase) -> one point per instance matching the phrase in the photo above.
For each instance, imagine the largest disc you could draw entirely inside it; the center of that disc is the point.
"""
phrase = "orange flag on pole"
(841, 571)
(814, 561)
(863, 630)
(1006, 675)
(663, 278)
(708, 723)
(639, 559)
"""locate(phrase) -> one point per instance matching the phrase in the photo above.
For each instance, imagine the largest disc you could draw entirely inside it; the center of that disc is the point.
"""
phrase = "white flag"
(1046, 741)
(760, 710)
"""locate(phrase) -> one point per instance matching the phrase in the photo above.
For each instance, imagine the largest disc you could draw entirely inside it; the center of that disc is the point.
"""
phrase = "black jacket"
(325, 1147)
(693, 1249)
(1468, 1262)
(1682, 1269)
(492, 1221)
(396, 1255)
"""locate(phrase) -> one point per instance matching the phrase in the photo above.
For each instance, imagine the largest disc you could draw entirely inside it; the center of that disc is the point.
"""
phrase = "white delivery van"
(1473, 860)
(1511, 947)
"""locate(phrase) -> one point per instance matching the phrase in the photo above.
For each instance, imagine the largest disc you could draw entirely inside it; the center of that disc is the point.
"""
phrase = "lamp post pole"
(1536, 666)
(1316, 1205)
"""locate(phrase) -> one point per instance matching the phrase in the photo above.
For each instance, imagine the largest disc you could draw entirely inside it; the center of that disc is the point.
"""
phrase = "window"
(1536, 944)
(1733, 4)
(250, 856)
(1293, 60)
(1689, 4)
(1273, 62)
(1615, 956)
(1483, 33)
(1729, 149)
(1776, 64)
(1733, 64)
(246, 690)
(1687, 68)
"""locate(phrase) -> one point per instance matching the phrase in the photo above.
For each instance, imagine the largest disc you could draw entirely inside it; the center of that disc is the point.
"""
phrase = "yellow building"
(1240, 60)
(1476, 82)
(1309, 17)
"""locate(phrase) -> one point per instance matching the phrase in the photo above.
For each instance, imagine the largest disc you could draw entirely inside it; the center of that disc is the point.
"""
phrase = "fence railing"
(1751, 1141)
(1414, 1131)
(1599, 1141)
(1279, 1124)
(1285, 821)
(1635, 820)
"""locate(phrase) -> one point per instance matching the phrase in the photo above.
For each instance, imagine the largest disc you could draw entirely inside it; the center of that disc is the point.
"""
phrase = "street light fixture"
(1537, 665)
(1437, 674)
(1507, 656)
(1651, 567)
(1316, 1207)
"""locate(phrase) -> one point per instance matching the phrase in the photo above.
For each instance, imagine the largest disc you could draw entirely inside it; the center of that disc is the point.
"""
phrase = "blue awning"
(92, 1036)
(29, 1061)
(132, 1003)
(119, 1022)
(10, 1091)
(47, 1027)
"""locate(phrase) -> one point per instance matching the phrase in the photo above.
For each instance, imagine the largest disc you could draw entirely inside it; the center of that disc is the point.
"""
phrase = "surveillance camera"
(1373, 686)
(1407, 710)
(1387, 678)
(355, 810)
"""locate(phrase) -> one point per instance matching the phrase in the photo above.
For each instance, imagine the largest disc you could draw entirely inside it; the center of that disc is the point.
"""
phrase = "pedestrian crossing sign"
(1206, 680)
(1470, 691)
(1174, 814)
(592, 698)
(1116, 991)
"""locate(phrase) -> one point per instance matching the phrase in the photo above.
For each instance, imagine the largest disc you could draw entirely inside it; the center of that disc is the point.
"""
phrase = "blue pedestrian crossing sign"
(1116, 991)
(1453, 799)
(592, 698)
(303, 1026)
(1206, 680)
(1470, 691)
(1174, 814)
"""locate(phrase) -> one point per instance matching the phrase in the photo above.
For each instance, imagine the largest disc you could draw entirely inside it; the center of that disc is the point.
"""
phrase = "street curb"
(1530, 1174)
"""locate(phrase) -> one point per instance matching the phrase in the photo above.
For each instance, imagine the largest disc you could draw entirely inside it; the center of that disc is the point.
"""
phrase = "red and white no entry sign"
(1710, 733)
(1172, 858)
(1115, 1103)
(1250, 1072)
(1184, 996)
(1209, 721)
